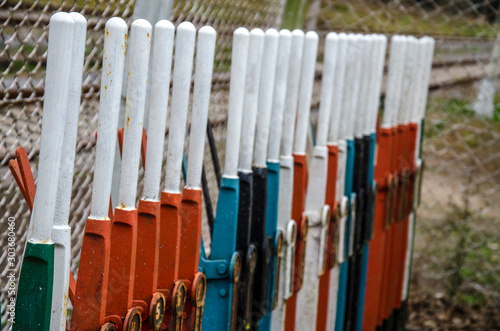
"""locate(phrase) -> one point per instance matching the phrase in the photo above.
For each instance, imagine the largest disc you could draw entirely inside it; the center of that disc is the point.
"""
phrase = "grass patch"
(365, 16)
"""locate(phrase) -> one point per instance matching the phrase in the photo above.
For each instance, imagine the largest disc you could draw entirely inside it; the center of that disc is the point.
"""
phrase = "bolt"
(221, 269)
(222, 292)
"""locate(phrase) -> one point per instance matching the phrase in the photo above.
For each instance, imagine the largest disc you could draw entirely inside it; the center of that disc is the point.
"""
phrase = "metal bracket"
(198, 293)
(236, 266)
(278, 245)
(325, 222)
(178, 303)
(291, 238)
(214, 269)
(353, 223)
(303, 236)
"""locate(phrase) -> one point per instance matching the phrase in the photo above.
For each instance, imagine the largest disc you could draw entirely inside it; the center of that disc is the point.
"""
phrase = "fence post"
(312, 17)
(484, 104)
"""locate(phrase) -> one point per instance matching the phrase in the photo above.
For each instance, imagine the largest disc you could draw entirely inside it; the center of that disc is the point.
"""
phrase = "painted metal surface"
(222, 275)
(389, 179)
(405, 167)
(258, 236)
(379, 50)
(34, 296)
(335, 142)
(300, 170)
(348, 116)
(168, 263)
(243, 241)
(191, 203)
(286, 184)
(123, 248)
(359, 184)
(89, 307)
(276, 276)
(424, 65)
(145, 295)
(316, 211)
(376, 72)
(61, 232)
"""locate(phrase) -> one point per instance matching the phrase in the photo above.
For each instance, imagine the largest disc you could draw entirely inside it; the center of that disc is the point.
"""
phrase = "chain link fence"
(456, 265)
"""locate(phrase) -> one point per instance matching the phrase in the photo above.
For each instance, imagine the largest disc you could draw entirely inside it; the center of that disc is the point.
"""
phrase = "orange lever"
(299, 194)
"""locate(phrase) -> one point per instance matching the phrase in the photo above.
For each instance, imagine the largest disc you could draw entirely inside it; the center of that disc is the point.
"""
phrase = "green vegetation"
(295, 14)
(459, 235)
(472, 250)
(377, 17)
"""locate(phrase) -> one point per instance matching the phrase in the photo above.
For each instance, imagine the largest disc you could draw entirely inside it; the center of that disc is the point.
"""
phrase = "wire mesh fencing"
(456, 264)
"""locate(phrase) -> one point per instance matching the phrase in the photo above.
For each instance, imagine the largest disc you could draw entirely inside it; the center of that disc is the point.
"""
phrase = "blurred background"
(455, 282)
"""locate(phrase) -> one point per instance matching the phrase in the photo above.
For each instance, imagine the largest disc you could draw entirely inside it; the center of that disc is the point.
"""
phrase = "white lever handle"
(357, 55)
(140, 45)
(239, 58)
(65, 183)
(305, 92)
(366, 51)
(428, 43)
(57, 79)
(292, 91)
(255, 50)
(345, 127)
(267, 77)
(394, 80)
(201, 101)
(183, 66)
(279, 95)
(408, 88)
(378, 73)
(109, 108)
(338, 90)
(161, 67)
(325, 106)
